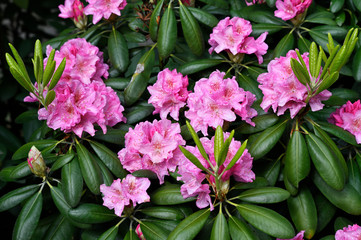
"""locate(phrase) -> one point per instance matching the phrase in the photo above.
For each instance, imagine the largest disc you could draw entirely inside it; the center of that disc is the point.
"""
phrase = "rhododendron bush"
(188, 120)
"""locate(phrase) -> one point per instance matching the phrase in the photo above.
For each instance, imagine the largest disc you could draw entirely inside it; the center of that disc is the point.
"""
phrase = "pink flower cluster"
(288, 9)
(169, 93)
(152, 146)
(348, 117)
(130, 191)
(193, 177)
(73, 9)
(216, 100)
(82, 99)
(251, 2)
(104, 8)
(299, 236)
(349, 233)
(232, 35)
(282, 90)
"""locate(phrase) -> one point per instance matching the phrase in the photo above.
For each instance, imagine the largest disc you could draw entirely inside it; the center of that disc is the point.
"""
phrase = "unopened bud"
(36, 162)
(139, 233)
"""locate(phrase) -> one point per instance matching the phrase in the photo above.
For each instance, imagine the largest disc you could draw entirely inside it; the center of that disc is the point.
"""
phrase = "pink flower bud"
(138, 230)
(36, 162)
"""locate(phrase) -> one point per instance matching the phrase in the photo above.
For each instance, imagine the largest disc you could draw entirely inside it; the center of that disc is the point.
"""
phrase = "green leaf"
(239, 230)
(337, 32)
(325, 162)
(167, 34)
(327, 82)
(262, 122)
(91, 213)
(264, 195)
(218, 143)
(21, 80)
(131, 235)
(106, 174)
(303, 44)
(237, 156)
(348, 199)
(342, 222)
(197, 141)
(57, 75)
(60, 229)
(224, 150)
(257, 183)
(118, 51)
(140, 78)
(338, 132)
(356, 66)
(336, 5)
(357, 5)
(109, 158)
(169, 213)
(28, 218)
(72, 182)
(301, 73)
(62, 160)
(320, 38)
(303, 211)
(248, 84)
(20, 63)
(145, 174)
(313, 56)
(152, 231)
(20, 171)
(50, 96)
(321, 17)
(167, 225)
(169, 195)
(13, 198)
(190, 226)
(49, 68)
(154, 20)
(23, 151)
(89, 169)
(191, 31)
(193, 158)
(198, 65)
(220, 228)
(284, 45)
(204, 17)
(258, 29)
(288, 185)
(114, 136)
(139, 112)
(111, 234)
(267, 140)
(267, 220)
(297, 160)
(117, 83)
(325, 212)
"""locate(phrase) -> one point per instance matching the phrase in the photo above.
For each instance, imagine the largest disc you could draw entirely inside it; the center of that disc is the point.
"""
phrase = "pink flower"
(73, 9)
(349, 233)
(232, 35)
(82, 99)
(288, 9)
(152, 146)
(194, 179)
(104, 8)
(348, 117)
(299, 236)
(169, 93)
(125, 193)
(283, 91)
(216, 100)
(251, 2)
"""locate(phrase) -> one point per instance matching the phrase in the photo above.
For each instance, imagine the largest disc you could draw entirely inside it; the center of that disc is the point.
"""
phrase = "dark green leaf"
(152, 231)
(167, 34)
(111, 234)
(91, 213)
(249, 84)
(258, 29)
(72, 182)
(13, 198)
(204, 17)
(118, 51)
(239, 230)
(325, 212)
(338, 132)
(154, 20)
(131, 235)
(117, 83)
(262, 122)
(198, 65)
(62, 160)
(114, 136)
(220, 228)
(169, 195)
(321, 17)
(264, 195)
(284, 45)
(23, 151)
(139, 112)
(259, 182)
(145, 174)
(336, 5)
(60, 229)
(169, 213)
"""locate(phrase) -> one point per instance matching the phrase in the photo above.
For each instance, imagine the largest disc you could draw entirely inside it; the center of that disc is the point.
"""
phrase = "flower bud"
(36, 162)
(139, 232)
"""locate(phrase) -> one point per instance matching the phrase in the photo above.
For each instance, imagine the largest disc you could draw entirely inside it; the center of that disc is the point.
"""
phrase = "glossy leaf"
(284, 45)
(131, 235)
(144, 173)
(167, 34)
(262, 122)
(60, 229)
(62, 160)
(13, 198)
(198, 65)
(267, 220)
(139, 112)
(28, 218)
(154, 20)
(170, 213)
(109, 158)
(91, 213)
(267, 140)
(204, 17)
(57, 74)
(303, 212)
(297, 160)
(89, 169)
(72, 182)
(118, 50)
(168, 195)
(50, 96)
(264, 195)
(152, 231)
(258, 29)
(190, 226)
(239, 230)
(325, 211)
(356, 66)
(23, 151)
(117, 83)
(336, 5)
(106, 174)
(338, 132)
(249, 84)
(20, 171)
(220, 228)
(326, 163)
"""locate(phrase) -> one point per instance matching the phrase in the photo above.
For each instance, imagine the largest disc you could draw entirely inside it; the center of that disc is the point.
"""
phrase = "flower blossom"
(169, 93)
(232, 35)
(249, 3)
(349, 233)
(216, 100)
(282, 90)
(82, 99)
(299, 236)
(104, 8)
(73, 9)
(348, 117)
(123, 193)
(288, 9)
(152, 146)
(195, 184)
